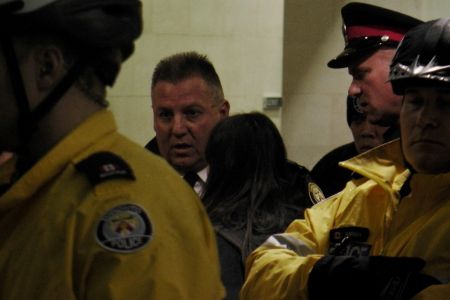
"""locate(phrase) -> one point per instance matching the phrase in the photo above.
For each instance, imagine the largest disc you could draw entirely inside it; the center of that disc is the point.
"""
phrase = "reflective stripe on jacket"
(418, 225)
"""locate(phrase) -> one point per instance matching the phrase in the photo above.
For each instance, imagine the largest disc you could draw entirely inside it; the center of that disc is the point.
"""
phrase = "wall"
(243, 39)
(259, 48)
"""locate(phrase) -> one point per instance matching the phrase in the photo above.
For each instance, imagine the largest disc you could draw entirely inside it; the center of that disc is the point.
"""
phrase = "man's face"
(374, 92)
(425, 129)
(366, 135)
(184, 115)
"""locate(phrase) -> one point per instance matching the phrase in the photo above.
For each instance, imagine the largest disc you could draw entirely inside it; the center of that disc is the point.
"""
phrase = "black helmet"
(102, 32)
(95, 24)
(423, 57)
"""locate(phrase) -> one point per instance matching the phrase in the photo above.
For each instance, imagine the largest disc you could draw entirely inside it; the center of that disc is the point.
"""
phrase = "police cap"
(367, 28)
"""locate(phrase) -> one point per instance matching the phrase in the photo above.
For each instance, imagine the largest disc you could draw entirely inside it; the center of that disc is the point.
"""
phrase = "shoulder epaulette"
(103, 166)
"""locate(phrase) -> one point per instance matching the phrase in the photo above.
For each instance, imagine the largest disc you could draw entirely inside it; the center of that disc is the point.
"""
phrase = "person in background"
(187, 102)
(326, 172)
(252, 190)
(386, 235)
(371, 34)
(90, 214)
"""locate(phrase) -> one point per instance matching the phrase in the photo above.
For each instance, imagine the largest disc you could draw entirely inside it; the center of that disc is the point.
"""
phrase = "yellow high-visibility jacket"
(99, 217)
(416, 226)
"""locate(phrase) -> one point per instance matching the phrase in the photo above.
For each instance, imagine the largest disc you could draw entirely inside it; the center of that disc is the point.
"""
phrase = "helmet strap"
(28, 119)
(56, 94)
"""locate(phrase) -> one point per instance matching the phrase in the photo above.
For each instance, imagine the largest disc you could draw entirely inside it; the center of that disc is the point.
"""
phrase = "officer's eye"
(413, 100)
(165, 115)
(193, 113)
(444, 102)
(359, 75)
(358, 121)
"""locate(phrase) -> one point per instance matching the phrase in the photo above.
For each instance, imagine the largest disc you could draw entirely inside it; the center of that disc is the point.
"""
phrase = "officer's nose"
(354, 89)
(179, 126)
(427, 116)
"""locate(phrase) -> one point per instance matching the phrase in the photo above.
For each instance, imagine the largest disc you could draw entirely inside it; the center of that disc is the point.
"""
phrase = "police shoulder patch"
(125, 228)
(315, 193)
(349, 241)
(102, 166)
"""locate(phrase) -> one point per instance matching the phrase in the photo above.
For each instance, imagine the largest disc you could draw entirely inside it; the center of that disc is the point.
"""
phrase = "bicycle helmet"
(103, 31)
(423, 57)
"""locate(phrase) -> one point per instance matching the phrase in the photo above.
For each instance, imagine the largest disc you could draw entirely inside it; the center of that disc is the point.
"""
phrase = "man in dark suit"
(187, 101)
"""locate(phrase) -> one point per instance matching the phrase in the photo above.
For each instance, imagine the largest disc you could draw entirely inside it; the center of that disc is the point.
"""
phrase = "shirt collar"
(203, 174)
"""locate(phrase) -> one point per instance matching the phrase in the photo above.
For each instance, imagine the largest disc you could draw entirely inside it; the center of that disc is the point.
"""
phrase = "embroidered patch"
(103, 166)
(315, 193)
(349, 241)
(124, 228)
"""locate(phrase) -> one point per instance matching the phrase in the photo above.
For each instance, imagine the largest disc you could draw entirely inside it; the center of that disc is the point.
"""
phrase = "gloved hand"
(367, 277)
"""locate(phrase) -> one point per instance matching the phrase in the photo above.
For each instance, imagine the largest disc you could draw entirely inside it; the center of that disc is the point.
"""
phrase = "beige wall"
(243, 39)
(260, 48)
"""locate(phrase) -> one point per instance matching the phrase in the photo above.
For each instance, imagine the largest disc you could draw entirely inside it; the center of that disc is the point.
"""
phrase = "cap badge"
(315, 193)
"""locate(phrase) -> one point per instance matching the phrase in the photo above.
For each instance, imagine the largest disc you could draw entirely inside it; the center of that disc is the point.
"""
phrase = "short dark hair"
(181, 66)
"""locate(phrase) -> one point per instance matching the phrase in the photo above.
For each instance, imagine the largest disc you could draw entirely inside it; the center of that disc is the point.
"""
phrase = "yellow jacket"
(99, 217)
(418, 226)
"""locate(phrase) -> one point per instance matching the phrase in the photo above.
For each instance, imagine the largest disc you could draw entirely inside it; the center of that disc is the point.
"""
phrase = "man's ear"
(50, 67)
(224, 109)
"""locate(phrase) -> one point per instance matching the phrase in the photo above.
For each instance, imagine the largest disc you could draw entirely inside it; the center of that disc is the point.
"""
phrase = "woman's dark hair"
(249, 185)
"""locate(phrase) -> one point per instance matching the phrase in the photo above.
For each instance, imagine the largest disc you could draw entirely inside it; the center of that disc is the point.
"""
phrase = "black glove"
(367, 277)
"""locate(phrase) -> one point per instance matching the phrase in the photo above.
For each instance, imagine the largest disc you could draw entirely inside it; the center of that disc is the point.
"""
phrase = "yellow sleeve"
(279, 269)
(434, 292)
